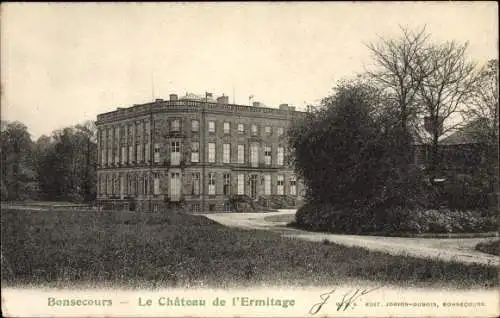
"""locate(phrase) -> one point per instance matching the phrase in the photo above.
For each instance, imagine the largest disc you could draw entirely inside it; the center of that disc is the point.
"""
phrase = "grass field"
(63, 248)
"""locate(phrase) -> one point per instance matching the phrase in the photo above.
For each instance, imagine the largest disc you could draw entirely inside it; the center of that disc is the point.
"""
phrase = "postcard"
(270, 159)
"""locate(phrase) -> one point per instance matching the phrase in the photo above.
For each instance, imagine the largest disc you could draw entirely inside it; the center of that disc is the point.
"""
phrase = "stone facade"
(195, 155)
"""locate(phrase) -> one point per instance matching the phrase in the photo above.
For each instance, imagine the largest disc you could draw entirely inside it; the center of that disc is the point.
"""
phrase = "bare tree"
(448, 83)
(482, 118)
(483, 106)
(397, 74)
(396, 64)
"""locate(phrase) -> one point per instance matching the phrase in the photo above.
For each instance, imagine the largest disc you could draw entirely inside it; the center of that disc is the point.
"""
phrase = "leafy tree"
(60, 167)
(345, 150)
(18, 175)
(66, 163)
(45, 165)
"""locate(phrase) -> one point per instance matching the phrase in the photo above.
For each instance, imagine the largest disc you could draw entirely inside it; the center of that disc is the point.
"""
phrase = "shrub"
(356, 162)
(492, 247)
(325, 217)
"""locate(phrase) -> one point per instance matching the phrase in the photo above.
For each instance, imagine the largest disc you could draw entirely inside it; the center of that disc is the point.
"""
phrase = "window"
(131, 154)
(211, 152)
(293, 185)
(145, 184)
(211, 126)
(122, 186)
(130, 133)
(175, 125)
(195, 125)
(267, 155)
(254, 155)
(100, 136)
(280, 131)
(175, 153)
(227, 184)
(241, 128)
(131, 157)
(157, 128)
(140, 184)
(147, 148)
(110, 153)
(116, 185)
(156, 183)
(139, 153)
(124, 154)
(123, 144)
(175, 186)
(135, 184)
(195, 151)
(106, 185)
(241, 154)
(267, 184)
(103, 156)
(195, 207)
(241, 184)
(139, 131)
(157, 153)
(102, 184)
(227, 128)
(116, 144)
(195, 189)
(280, 185)
(226, 153)
(116, 151)
(147, 129)
(156, 208)
(130, 184)
(254, 130)
(211, 184)
(267, 130)
(280, 159)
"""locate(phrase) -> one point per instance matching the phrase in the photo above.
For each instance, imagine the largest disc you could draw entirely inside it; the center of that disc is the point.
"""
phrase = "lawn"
(65, 248)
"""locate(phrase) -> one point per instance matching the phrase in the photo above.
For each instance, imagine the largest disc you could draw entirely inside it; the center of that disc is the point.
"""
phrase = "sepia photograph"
(249, 159)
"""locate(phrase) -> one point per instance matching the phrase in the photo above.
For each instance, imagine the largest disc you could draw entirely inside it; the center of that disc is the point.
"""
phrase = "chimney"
(159, 100)
(173, 96)
(223, 99)
(284, 106)
(430, 127)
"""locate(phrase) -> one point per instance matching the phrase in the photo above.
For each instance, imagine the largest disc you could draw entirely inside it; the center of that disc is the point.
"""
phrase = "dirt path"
(449, 249)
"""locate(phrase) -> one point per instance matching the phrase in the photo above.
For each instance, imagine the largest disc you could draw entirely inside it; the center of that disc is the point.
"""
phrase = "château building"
(195, 154)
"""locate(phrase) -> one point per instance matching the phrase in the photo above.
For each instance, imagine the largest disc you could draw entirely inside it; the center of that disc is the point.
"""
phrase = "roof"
(467, 135)
(459, 138)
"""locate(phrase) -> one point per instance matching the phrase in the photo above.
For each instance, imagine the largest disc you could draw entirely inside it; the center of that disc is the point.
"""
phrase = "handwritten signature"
(347, 301)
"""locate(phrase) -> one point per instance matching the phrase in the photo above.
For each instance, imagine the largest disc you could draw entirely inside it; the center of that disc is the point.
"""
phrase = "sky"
(62, 64)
